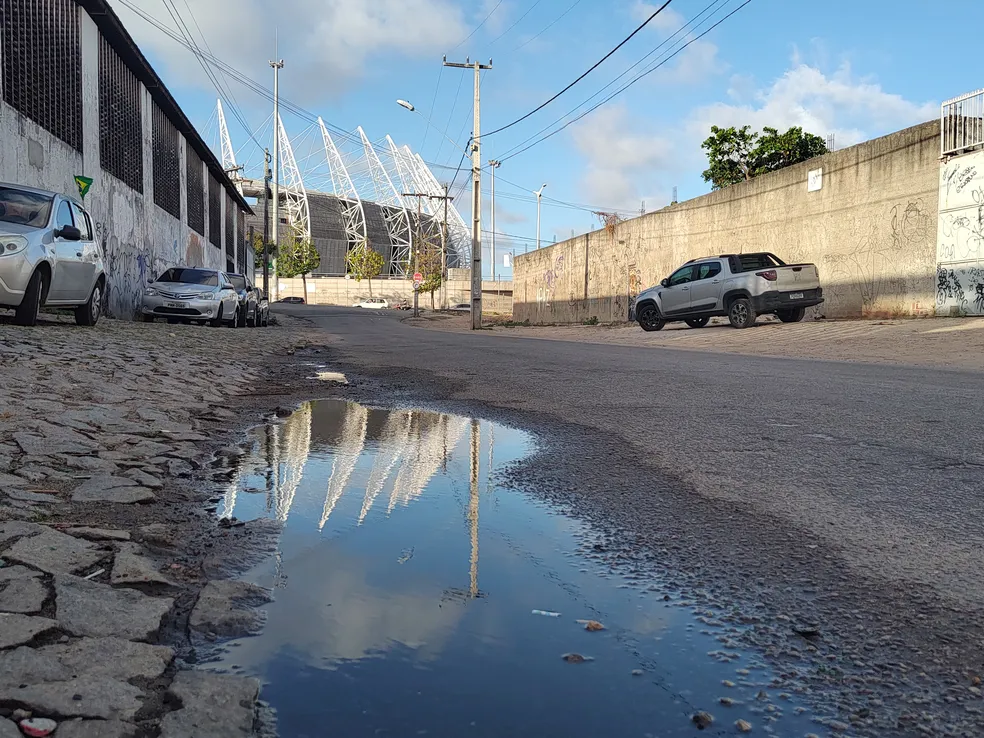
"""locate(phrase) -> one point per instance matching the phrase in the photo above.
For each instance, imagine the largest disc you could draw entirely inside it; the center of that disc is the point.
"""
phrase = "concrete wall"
(139, 239)
(960, 237)
(870, 228)
(496, 296)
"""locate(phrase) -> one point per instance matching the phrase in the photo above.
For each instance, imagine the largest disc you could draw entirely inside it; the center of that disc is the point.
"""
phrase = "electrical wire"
(548, 26)
(518, 20)
(476, 28)
(629, 84)
(437, 89)
(593, 67)
(454, 105)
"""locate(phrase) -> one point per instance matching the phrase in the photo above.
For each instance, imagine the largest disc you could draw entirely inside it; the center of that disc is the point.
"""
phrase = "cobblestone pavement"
(106, 438)
(950, 343)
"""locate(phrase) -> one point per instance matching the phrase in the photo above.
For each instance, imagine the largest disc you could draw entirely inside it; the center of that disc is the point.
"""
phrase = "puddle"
(405, 584)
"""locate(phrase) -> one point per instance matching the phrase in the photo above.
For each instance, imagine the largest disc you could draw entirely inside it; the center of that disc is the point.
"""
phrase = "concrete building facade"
(79, 99)
(866, 215)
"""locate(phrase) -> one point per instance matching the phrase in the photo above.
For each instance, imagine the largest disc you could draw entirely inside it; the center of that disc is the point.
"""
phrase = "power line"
(475, 29)
(629, 84)
(591, 69)
(454, 105)
(663, 43)
(518, 20)
(549, 25)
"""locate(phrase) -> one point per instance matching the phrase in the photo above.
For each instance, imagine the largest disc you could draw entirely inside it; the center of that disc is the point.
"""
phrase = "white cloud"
(696, 63)
(325, 43)
(622, 161)
(853, 109)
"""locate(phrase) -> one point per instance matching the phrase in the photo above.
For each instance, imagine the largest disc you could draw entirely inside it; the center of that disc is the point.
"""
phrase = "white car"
(373, 303)
(192, 294)
(461, 307)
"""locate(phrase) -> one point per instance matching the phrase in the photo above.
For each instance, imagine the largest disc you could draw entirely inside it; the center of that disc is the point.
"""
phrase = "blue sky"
(852, 69)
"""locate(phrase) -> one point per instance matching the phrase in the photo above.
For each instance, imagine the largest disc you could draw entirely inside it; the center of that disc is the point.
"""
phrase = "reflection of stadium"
(367, 202)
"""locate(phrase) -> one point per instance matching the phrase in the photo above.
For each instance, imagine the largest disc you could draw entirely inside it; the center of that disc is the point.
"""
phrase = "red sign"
(418, 277)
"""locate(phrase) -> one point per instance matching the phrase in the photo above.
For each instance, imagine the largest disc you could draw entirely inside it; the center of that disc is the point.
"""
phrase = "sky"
(848, 68)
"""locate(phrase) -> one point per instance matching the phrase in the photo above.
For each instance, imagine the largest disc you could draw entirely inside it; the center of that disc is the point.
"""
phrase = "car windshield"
(190, 276)
(238, 281)
(24, 208)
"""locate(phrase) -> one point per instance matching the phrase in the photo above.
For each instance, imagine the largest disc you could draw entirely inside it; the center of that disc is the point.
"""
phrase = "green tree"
(430, 266)
(364, 263)
(297, 257)
(739, 154)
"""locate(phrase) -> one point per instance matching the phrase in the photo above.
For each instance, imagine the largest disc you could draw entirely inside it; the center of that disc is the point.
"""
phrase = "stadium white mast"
(294, 194)
(228, 153)
(398, 223)
(353, 214)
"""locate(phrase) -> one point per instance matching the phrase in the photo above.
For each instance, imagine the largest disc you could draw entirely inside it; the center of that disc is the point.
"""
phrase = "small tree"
(297, 257)
(363, 262)
(430, 266)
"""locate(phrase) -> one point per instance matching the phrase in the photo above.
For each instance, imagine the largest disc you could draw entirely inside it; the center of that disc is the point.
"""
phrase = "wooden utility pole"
(476, 276)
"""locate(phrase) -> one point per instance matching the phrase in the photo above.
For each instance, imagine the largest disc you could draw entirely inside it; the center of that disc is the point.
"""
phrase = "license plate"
(172, 304)
(796, 296)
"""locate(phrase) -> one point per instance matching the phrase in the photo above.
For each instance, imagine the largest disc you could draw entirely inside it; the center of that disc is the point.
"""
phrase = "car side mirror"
(665, 282)
(69, 233)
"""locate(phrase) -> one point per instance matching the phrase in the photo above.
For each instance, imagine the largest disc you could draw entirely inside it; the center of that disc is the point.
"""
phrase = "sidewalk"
(947, 343)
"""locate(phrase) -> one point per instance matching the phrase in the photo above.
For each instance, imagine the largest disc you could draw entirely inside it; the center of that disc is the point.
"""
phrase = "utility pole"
(539, 194)
(476, 276)
(493, 165)
(266, 223)
(444, 252)
(277, 66)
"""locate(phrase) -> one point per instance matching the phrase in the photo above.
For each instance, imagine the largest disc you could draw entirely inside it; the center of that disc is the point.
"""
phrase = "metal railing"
(962, 123)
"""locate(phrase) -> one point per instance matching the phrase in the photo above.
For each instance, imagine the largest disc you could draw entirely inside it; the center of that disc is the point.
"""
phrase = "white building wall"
(139, 238)
(960, 237)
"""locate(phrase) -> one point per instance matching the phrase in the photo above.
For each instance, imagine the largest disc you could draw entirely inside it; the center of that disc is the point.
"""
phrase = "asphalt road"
(848, 496)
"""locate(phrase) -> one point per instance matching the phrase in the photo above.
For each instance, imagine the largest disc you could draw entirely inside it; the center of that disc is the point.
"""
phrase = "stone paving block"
(93, 609)
(129, 567)
(17, 572)
(26, 665)
(228, 609)
(54, 552)
(98, 534)
(23, 596)
(111, 489)
(144, 479)
(16, 630)
(25, 496)
(213, 706)
(13, 529)
(95, 697)
(113, 658)
(9, 729)
(95, 729)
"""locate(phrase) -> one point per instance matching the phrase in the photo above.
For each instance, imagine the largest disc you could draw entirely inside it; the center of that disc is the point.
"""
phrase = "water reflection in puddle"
(405, 584)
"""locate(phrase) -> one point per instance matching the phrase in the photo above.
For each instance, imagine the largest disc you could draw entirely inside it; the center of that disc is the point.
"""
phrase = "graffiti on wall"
(549, 282)
(960, 238)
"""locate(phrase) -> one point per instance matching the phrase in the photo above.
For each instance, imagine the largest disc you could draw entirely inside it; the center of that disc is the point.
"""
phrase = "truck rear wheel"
(741, 314)
(791, 315)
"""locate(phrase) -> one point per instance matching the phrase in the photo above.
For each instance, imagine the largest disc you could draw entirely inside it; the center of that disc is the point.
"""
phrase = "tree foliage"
(297, 257)
(739, 154)
(363, 262)
(430, 266)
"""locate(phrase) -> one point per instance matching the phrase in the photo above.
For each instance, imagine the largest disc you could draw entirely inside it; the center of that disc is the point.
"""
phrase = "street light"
(409, 106)
(539, 194)
(405, 104)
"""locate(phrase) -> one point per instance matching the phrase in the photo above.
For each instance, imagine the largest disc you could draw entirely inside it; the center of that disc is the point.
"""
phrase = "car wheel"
(697, 322)
(218, 319)
(27, 311)
(240, 317)
(741, 314)
(88, 314)
(650, 319)
(234, 323)
(792, 315)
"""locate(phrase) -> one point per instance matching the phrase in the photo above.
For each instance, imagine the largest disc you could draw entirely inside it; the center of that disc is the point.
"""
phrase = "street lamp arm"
(409, 106)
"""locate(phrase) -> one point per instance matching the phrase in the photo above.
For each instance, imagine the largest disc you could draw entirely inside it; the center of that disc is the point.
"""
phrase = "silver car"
(191, 294)
(49, 256)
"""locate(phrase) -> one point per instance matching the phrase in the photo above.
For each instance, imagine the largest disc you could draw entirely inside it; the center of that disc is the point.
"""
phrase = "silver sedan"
(192, 294)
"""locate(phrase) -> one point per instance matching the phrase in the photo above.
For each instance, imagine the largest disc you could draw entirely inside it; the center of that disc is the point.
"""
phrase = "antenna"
(830, 142)
(674, 200)
(642, 210)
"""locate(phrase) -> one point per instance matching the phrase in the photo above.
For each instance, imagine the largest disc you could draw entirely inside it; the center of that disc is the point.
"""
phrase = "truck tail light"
(770, 274)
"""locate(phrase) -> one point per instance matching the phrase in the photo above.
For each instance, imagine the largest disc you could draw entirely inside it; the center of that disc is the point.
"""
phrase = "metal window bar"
(962, 123)
(196, 191)
(42, 67)
(214, 213)
(166, 162)
(120, 124)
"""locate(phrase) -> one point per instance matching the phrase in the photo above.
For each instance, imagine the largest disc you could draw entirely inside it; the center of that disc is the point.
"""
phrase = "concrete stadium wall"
(870, 229)
(139, 239)
(496, 296)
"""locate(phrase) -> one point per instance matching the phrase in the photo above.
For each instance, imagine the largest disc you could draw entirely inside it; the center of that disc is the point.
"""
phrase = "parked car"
(291, 300)
(461, 307)
(740, 286)
(372, 303)
(192, 294)
(247, 299)
(49, 256)
(262, 309)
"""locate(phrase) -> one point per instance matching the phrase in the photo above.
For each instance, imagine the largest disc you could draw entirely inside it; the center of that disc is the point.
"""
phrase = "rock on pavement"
(93, 609)
(16, 630)
(227, 608)
(95, 697)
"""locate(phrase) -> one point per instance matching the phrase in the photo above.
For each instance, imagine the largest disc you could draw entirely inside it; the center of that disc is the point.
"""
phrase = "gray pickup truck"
(740, 286)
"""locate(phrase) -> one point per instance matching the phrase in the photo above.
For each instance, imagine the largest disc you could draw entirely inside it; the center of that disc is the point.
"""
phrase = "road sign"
(418, 279)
